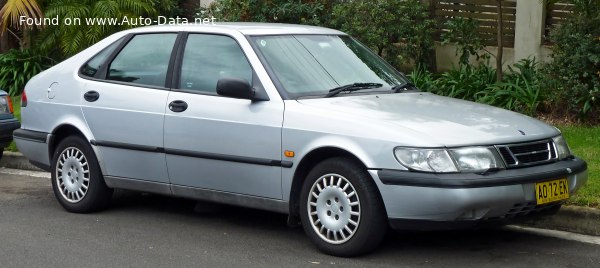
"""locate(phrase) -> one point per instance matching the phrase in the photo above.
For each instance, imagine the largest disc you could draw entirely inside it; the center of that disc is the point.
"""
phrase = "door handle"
(178, 106)
(91, 96)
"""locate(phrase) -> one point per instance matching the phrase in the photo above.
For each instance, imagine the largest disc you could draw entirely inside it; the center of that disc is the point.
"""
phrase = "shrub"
(571, 79)
(18, 66)
(281, 11)
(462, 32)
(400, 31)
(465, 82)
(519, 92)
(71, 39)
(422, 78)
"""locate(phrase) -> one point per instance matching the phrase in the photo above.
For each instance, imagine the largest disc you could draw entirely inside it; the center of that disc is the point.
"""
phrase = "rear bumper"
(7, 126)
(34, 146)
(448, 201)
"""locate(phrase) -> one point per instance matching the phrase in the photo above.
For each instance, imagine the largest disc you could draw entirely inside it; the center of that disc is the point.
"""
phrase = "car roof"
(246, 28)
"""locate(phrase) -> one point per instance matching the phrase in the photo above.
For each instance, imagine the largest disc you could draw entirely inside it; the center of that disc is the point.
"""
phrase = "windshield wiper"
(403, 87)
(352, 87)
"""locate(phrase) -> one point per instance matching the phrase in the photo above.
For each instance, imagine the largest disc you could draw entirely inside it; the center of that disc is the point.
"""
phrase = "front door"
(215, 142)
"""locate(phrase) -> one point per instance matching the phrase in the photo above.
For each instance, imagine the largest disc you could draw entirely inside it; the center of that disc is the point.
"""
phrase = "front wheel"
(341, 210)
(76, 178)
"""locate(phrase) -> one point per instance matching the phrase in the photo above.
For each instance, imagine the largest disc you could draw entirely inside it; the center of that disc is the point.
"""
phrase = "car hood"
(441, 121)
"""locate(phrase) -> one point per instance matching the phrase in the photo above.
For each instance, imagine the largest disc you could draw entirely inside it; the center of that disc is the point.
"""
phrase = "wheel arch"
(305, 166)
(62, 131)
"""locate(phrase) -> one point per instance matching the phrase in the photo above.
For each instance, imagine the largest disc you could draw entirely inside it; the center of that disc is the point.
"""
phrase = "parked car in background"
(8, 122)
(295, 119)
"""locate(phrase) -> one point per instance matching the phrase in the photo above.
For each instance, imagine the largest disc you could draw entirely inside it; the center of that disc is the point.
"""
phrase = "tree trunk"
(3, 42)
(432, 59)
(3, 36)
(499, 73)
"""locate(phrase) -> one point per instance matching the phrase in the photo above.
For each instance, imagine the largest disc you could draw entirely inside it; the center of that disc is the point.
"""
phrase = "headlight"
(430, 160)
(475, 158)
(469, 159)
(562, 148)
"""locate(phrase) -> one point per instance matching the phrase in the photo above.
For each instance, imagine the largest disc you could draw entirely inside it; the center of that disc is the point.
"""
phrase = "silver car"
(295, 119)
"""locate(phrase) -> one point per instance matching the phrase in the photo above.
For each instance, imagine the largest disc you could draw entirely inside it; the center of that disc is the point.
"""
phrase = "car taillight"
(24, 99)
(10, 104)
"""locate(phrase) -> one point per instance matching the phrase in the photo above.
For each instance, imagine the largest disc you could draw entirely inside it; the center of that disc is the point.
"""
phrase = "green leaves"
(13, 9)
(462, 32)
(71, 39)
(18, 66)
(400, 31)
(520, 93)
(571, 79)
(281, 11)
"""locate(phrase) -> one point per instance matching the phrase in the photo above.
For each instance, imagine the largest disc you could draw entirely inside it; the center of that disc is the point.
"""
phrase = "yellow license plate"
(551, 191)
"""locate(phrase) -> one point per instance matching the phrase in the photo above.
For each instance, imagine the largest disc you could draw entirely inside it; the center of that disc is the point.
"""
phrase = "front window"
(312, 65)
(208, 58)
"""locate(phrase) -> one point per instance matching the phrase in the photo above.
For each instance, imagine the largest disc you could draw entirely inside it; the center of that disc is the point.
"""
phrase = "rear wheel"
(341, 210)
(76, 178)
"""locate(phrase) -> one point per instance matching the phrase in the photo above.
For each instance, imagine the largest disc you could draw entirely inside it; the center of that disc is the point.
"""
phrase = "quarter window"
(208, 58)
(93, 65)
(144, 60)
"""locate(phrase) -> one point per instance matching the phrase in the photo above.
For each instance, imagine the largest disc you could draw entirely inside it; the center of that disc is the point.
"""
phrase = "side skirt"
(137, 185)
(231, 198)
(199, 194)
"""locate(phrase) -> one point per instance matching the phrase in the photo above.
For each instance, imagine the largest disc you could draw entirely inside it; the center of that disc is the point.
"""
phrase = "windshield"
(312, 65)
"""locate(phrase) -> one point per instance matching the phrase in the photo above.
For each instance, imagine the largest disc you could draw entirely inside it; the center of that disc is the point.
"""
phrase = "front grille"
(526, 154)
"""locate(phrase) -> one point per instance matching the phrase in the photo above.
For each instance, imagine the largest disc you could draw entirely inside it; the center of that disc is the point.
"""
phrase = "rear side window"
(92, 67)
(208, 58)
(144, 60)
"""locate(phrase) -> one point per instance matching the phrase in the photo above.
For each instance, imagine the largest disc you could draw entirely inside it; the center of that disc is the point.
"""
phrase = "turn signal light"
(10, 104)
(288, 153)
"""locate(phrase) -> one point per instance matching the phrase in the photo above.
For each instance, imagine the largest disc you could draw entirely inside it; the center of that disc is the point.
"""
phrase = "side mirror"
(235, 88)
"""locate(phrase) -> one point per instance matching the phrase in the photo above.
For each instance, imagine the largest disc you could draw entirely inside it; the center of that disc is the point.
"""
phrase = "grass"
(583, 140)
(585, 143)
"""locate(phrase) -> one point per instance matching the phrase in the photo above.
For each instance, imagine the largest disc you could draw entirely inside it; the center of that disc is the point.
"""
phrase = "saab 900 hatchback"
(294, 119)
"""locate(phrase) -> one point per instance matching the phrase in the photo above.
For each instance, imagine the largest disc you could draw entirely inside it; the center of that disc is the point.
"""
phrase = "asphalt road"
(141, 230)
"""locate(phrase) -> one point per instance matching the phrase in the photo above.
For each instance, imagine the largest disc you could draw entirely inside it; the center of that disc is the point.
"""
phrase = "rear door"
(220, 143)
(124, 105)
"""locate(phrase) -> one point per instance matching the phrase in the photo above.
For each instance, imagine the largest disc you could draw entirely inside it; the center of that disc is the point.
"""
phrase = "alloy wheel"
(72, 175)
(334, 208)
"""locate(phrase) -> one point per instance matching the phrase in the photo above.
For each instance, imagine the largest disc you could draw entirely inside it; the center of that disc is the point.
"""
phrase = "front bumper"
(426, 201)
(7, 126)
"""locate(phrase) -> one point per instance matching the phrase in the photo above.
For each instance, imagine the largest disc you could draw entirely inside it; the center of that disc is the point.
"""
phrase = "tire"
(76, 178)
(344, 218)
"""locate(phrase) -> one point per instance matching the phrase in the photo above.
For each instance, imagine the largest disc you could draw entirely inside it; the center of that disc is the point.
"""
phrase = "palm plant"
(13, 9)
(71, 39)
(9, 17)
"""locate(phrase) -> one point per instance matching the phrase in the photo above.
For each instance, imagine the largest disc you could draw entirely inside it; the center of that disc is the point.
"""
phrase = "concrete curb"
(570, 218)
(16, 161)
